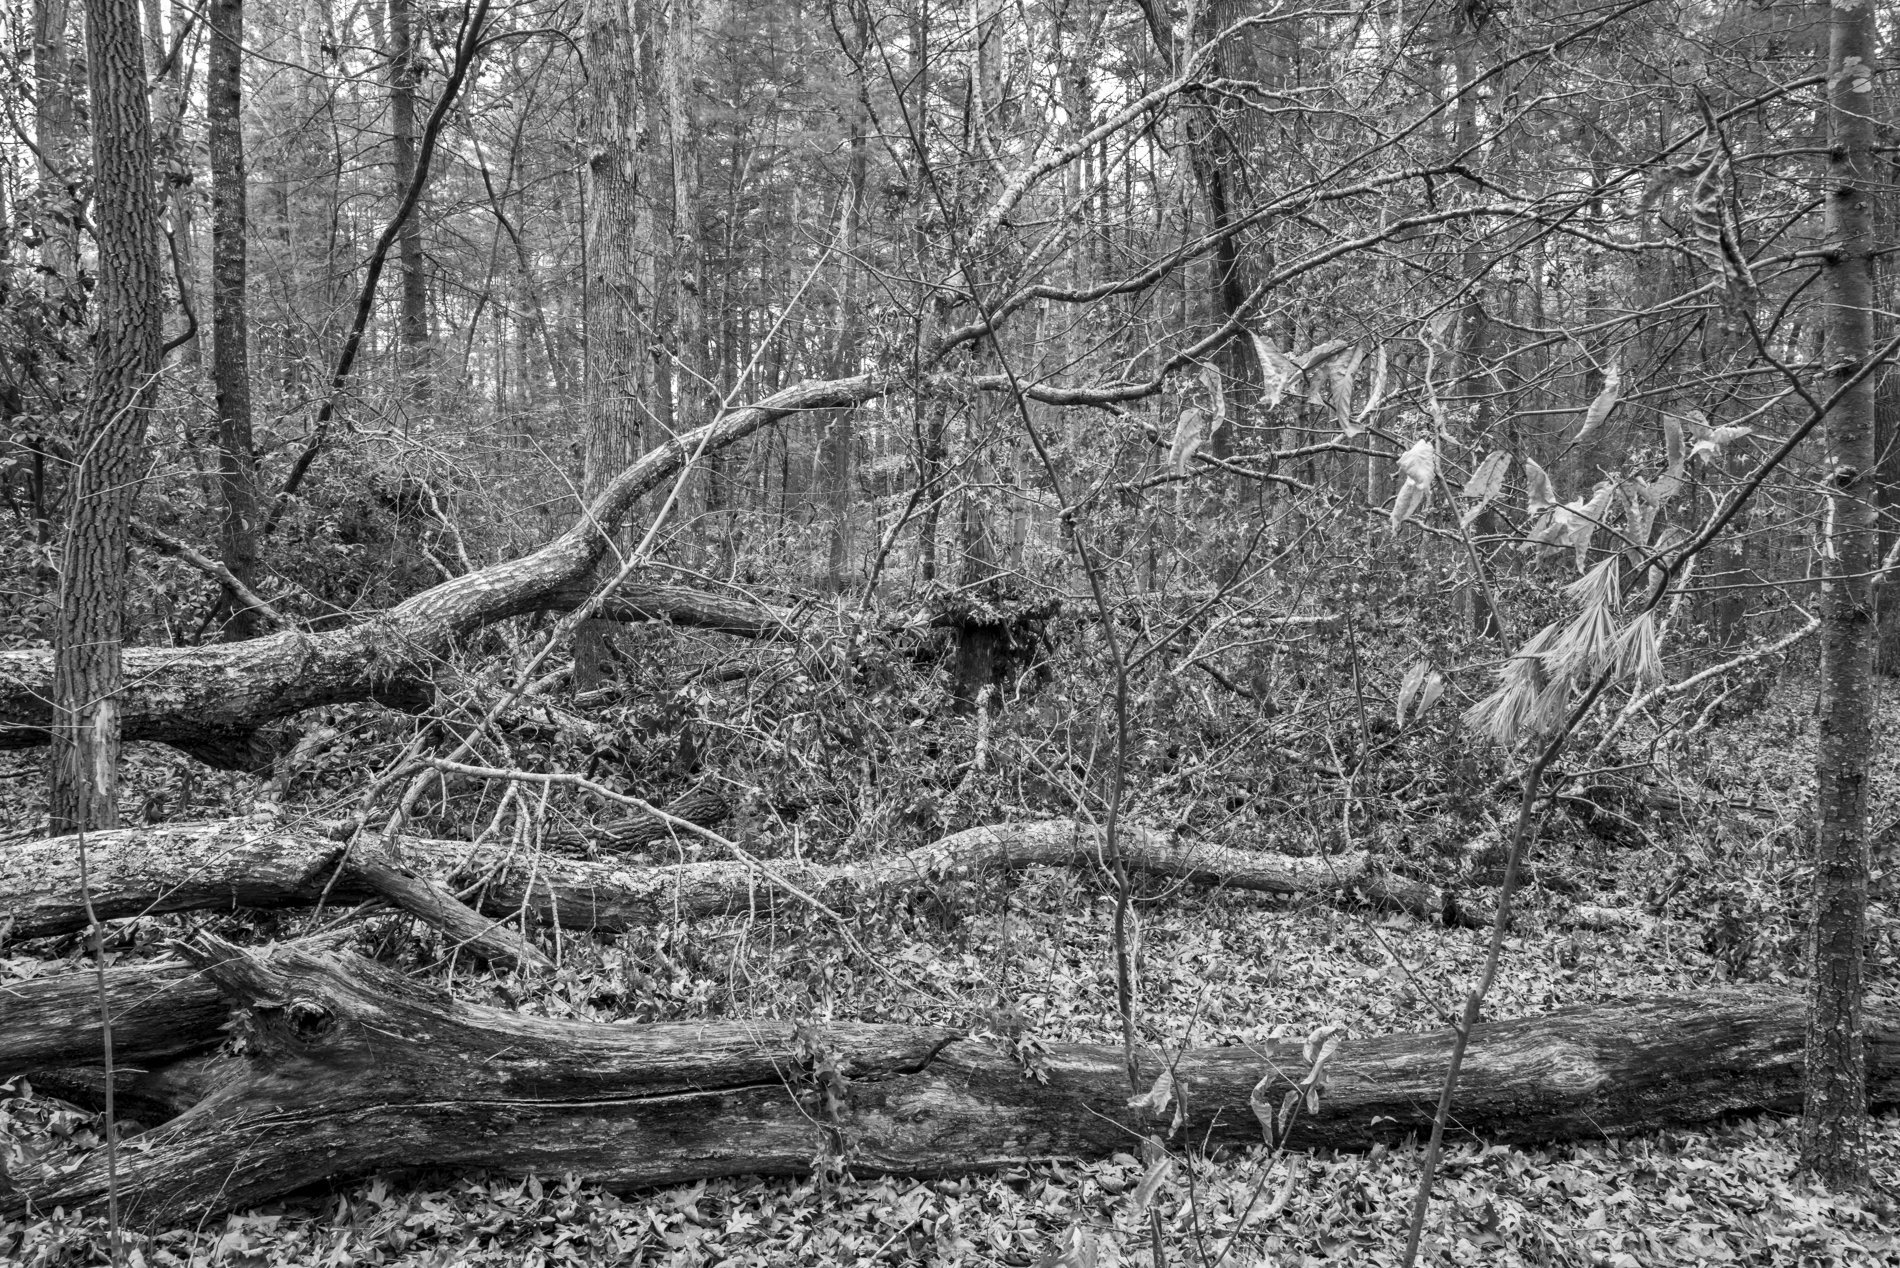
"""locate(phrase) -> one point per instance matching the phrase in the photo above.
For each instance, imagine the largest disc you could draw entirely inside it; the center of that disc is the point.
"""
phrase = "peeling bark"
(260, 864)
(347, 1068)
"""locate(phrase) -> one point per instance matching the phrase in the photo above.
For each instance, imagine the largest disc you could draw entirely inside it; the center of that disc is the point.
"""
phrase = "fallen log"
(210, 701)
(703, 806)
(159, 1010)
(259, 863)
(346, 1068)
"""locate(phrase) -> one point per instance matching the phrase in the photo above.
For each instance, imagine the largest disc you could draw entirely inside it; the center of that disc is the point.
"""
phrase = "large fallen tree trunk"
(347, 1068)
(158, 1010)
(210, 701)
(258, 863)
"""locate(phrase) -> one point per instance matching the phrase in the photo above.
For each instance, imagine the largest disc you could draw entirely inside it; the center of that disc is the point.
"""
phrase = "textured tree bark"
(230, 334)
(255, 863)
(54, 135)
(840, 443)
(414, 323)
(702, 806)
(436, 906)
(348, 1068)
(210, 701)
(1833, 1121)
(620, 294)
(159, 1010)
(110, 454)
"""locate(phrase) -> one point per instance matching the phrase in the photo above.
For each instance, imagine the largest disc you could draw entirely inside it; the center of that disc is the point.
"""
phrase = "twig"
(1493, 955)
(211, 568)
(465, 52)
(98, 941)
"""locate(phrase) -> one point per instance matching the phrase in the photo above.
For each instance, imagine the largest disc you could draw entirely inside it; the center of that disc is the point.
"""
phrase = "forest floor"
(1213, 968)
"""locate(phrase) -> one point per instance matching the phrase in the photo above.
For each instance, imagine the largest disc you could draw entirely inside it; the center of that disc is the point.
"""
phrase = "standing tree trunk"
(230, 356)
(1834, 1110)
(109, 457)
(619, 370)
(171, 89)
(414, 360)
(53, 126)
(839, 441)
(696, 398)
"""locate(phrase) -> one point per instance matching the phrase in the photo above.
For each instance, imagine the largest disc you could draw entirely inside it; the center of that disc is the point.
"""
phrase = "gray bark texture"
(86, 679)
(1833, 1124)
(343, 1068)
(257, 863)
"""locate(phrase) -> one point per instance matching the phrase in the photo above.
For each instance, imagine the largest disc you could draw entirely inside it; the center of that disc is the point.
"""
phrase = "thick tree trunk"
(230, 355)
(1833, 1124)
(210, 701)
(159, 1010)
(619, 294)
(349, 1068)
(110, 453)
(256, 863)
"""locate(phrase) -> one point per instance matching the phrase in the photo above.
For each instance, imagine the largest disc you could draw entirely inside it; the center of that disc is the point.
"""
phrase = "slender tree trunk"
(110, 456)
(839, 439)
(230, 356)
(1217, 167)
(1833, 1121)
(54, 128)
(415, 354)
(167, 59)
(695, 399)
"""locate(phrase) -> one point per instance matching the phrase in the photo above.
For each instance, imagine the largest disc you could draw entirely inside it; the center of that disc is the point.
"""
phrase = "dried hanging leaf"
(1374, 394)
(1485, 484)
(1672, 442)
(1320, 1046)
(1543, 495)
(1340, 372)
(1320, 353)
(1262, 1107)
(1409, 688)
(1606, 400)
(1433, 692)
(1640, 520)
(1437, 336)
(1216, 389)
(1317, 387)
(1719, 438)
(1156, 1099)
(1190, 434)
(1277, 370)
(1420, 467)
(1581, 519)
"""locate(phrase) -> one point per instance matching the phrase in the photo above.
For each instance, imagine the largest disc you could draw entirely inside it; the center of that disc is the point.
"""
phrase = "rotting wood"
(261, 863)
(346, 1068)
(159, 1010)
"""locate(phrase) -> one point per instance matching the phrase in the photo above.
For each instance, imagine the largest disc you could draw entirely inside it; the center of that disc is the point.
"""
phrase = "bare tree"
(1833, 1121)
(230, 338)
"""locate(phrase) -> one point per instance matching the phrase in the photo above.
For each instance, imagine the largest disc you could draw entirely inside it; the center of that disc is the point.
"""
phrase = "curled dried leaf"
(1605, 401)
